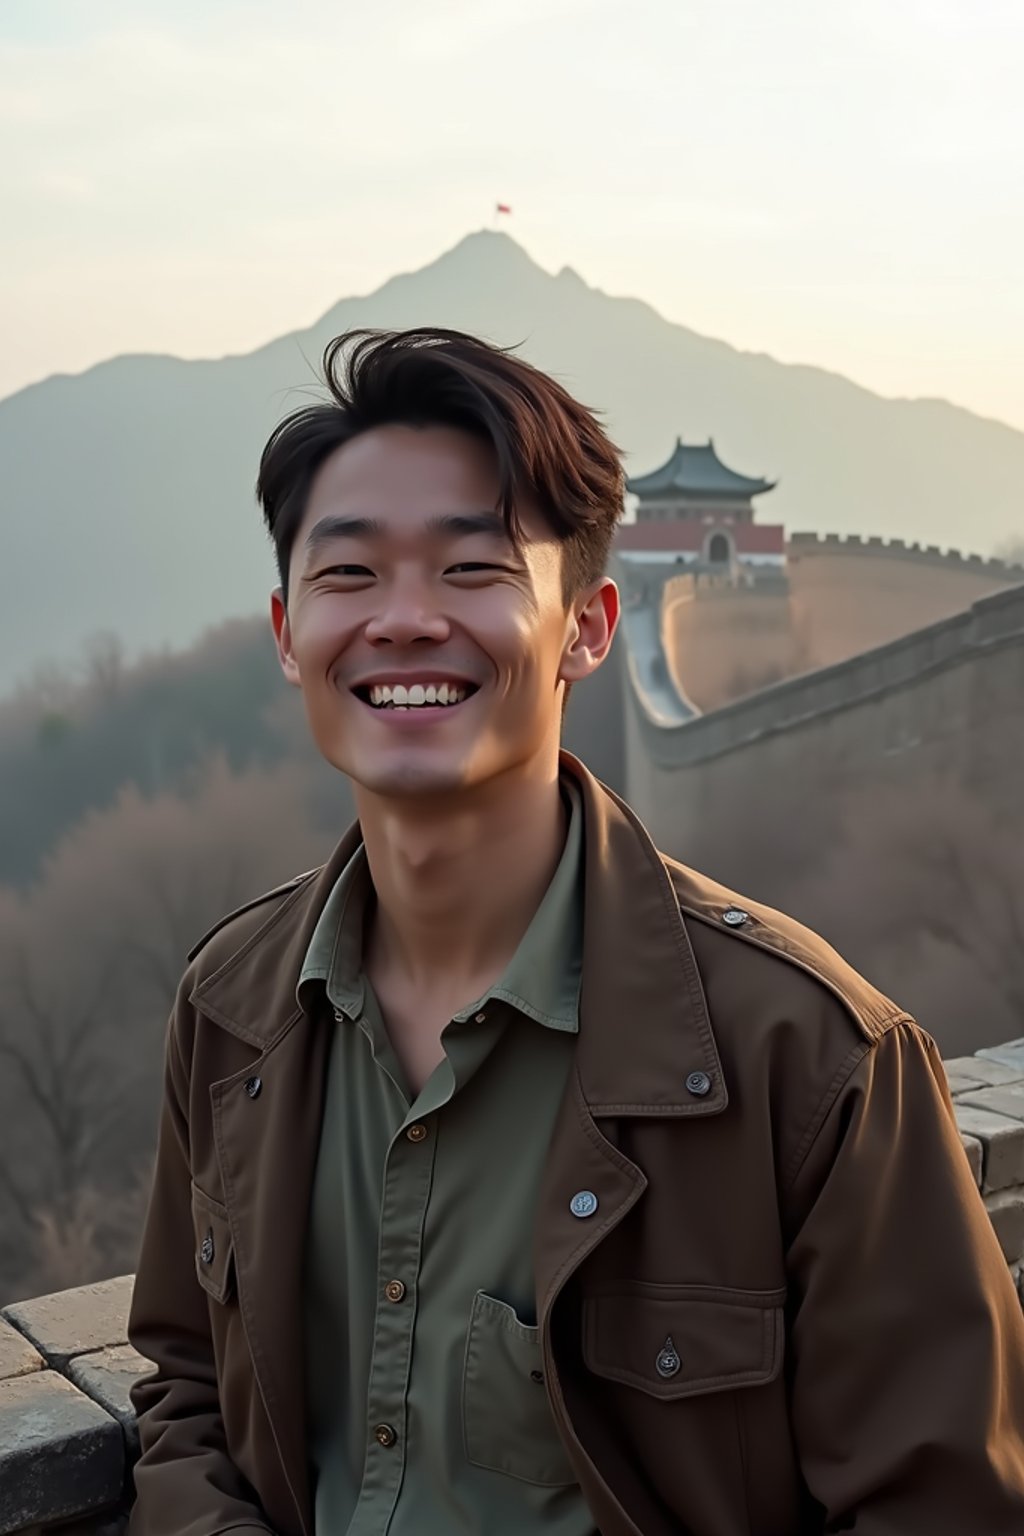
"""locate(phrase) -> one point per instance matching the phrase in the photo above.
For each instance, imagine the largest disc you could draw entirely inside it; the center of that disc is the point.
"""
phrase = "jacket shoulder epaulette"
(247, 906)
(754, 923)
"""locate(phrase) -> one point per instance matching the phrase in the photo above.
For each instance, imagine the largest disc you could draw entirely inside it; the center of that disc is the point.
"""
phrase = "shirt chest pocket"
(679, 1341)
(214, 1252)
(507, 1422)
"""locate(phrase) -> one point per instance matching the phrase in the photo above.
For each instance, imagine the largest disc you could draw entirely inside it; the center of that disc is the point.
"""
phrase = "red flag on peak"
(503, 208)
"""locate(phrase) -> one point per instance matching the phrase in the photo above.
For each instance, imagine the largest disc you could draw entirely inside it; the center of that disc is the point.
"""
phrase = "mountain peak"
(492, 248)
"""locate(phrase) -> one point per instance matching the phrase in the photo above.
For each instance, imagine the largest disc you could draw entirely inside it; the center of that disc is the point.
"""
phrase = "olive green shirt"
(427, 1410)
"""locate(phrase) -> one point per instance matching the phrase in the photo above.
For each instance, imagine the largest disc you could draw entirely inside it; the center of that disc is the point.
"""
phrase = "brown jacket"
(781, 1190)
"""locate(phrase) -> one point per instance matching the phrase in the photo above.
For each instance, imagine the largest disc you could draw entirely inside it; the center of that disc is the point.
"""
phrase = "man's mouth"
(444, 695)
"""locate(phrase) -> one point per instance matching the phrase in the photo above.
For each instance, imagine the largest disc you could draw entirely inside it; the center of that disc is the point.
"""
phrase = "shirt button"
(698, 1083)
(394, 1290)
(384, 1435)
(583, 1204)
(480, 1018)
(416, 1132)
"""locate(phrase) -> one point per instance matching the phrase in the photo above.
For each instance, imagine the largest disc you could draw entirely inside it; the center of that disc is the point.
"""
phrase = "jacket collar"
(638, 969)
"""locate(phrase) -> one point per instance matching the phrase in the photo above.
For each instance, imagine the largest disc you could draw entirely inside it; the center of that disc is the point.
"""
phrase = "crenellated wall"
(834, 544)
(67, 1433)
(839, 598)
(851, 595)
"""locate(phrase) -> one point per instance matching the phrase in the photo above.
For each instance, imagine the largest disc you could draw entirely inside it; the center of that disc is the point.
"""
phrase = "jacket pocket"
(214, 1252)
(507, 1422)
(678, 1341)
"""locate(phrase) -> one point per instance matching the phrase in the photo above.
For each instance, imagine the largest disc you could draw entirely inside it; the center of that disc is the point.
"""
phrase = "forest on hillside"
(139, 803)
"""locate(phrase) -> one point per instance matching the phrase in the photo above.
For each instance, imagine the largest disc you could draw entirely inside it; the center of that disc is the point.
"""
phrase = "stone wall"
(819, 544)
(725, 641)
(840, 598)
(67, 1433)
(942, 702)
(850, 595)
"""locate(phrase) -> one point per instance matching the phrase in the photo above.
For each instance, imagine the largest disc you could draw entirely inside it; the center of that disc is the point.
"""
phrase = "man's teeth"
(399, 697)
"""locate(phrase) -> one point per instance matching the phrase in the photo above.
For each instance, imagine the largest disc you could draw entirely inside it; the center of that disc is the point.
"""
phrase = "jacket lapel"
(644, 1034)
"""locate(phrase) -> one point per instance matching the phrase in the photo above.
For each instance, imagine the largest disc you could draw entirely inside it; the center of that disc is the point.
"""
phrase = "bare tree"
(104, 664)
(90, 960)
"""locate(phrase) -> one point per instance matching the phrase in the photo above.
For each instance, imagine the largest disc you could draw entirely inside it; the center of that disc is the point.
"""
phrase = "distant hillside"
(127, 491)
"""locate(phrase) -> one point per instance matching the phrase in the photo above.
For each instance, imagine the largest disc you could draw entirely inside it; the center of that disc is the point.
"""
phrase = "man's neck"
(458, 882)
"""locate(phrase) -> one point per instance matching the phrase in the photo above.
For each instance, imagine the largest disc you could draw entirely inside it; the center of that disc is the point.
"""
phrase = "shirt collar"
(542, 980)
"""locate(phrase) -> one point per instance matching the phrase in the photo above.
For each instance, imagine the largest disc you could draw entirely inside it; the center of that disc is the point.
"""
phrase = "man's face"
(402, 578)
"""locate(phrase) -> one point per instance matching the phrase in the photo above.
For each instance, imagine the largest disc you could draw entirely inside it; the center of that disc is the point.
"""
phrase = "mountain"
(127, 500)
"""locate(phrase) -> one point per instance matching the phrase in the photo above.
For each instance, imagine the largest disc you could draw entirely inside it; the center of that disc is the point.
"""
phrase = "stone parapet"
(67, 1432)
(800, 545)
(989, 624)
(988, 1097)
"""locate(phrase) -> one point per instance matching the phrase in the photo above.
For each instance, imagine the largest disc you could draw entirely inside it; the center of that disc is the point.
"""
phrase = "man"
(512, 1177)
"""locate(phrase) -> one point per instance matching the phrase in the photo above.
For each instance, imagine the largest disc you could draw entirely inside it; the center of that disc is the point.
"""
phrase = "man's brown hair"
(548, 446)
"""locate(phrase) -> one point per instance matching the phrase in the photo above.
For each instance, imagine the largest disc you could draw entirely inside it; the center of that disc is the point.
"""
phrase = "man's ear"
(283, 637)
(596, 617)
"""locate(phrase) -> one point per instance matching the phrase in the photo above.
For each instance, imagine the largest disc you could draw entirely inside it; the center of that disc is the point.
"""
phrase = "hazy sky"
(832, 181)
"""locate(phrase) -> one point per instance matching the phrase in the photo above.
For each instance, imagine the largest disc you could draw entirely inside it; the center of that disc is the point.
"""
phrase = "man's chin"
(407, 779)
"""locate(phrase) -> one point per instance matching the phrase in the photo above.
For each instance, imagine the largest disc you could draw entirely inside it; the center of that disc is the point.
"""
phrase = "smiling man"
(513, 1177)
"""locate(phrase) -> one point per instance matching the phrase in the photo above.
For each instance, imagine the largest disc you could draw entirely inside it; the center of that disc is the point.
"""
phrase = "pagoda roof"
(697, 471)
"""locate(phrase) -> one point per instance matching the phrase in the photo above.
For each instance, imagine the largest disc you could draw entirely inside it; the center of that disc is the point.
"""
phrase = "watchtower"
(700, 513)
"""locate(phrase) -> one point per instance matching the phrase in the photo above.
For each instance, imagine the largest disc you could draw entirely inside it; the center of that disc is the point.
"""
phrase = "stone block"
(1011, 1054)
(966, 1072)
(972, 1146)
(71, 1323)
(1007, 1100)
(17, 1356)
(1006, 1213)
(107, 1377)
(60, 1454)
(1002, 1145)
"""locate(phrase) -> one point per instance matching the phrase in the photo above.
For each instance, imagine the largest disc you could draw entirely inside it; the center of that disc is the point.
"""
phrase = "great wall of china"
(928, 678)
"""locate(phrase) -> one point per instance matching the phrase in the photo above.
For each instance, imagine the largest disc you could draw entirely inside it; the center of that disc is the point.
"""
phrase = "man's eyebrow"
(335, 526)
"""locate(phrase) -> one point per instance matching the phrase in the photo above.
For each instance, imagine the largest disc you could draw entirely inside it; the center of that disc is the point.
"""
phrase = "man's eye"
(463, 566)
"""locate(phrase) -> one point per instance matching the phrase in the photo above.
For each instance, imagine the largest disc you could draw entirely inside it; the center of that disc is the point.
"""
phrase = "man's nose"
(409, 610)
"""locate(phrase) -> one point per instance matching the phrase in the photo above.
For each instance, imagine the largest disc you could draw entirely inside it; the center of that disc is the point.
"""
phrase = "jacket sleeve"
(185, 1482)
(907, 1334)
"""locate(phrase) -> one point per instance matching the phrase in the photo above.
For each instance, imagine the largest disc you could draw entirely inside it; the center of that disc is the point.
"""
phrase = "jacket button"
(416, 1132)
(394, 1290)
(698, 1083)
(254, 1087)
(668, 1362)
(206, 1249)
(735, 917)
(583, 1204)
(384, 1435)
